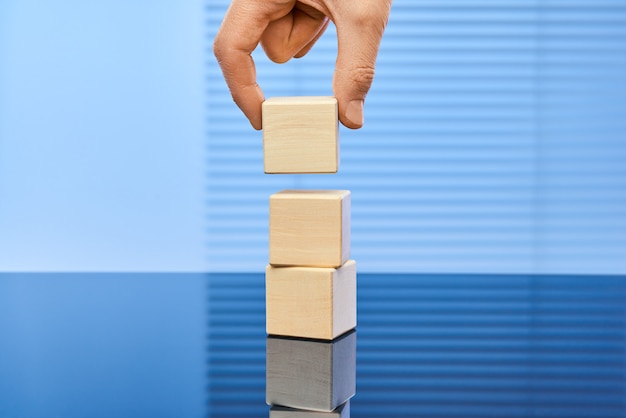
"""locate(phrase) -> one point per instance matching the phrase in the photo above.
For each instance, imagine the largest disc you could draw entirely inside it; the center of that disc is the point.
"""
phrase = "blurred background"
(494, 140)
(494, 146)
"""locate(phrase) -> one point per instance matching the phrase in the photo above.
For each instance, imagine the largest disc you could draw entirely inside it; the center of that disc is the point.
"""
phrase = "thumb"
(360, 26)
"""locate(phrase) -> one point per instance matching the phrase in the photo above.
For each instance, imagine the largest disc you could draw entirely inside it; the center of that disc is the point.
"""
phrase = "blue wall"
(102, 141)
(494, 140)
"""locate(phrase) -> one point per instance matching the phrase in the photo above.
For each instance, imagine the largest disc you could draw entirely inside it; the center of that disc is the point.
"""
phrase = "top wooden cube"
(300, 135)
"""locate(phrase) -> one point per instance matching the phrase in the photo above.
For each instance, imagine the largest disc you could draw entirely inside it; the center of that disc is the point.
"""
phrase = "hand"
(290, 28)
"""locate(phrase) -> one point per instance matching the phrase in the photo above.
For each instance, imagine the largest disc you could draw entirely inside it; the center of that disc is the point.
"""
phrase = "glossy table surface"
(190, 345)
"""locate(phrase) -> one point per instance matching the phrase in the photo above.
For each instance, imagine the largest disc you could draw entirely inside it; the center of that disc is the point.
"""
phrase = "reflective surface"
(311, 375)
(191, 345)
(448, 346)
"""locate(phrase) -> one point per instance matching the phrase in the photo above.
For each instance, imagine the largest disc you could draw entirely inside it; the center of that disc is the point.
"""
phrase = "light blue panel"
(492, 142)
(102, 140)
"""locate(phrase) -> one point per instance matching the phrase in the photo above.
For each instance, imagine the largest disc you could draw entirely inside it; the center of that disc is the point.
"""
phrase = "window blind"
(493, 142)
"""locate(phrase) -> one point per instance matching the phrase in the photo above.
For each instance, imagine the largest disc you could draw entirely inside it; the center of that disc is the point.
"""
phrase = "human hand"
(288, 29)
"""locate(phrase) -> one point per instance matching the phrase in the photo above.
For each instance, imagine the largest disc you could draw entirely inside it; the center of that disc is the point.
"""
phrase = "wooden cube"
(309, 228)
(312, 375)
(343, 411)
(310, 302)
(300, 135)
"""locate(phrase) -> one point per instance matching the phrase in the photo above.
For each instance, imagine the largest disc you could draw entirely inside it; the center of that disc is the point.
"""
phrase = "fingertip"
(250, 100)
(254, 116)
(352, 116)
(257, 125)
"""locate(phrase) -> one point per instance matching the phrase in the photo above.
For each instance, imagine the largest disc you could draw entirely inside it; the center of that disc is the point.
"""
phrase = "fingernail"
(354, 112)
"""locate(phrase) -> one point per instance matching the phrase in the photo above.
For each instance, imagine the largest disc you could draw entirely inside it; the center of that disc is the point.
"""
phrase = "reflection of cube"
(310, 228)
(313, 375)
(310, 302)
(300, 135)
(282, 412)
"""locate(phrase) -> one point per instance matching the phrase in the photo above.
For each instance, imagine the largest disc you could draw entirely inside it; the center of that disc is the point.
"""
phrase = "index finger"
(238, 36)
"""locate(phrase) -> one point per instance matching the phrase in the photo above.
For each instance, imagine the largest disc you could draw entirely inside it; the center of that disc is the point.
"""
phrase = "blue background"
(102, 136)
(494, 140)
(494, 145)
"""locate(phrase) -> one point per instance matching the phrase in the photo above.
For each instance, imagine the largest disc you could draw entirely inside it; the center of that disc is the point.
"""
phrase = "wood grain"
(300, 135)
(310, 302)
(309, 228)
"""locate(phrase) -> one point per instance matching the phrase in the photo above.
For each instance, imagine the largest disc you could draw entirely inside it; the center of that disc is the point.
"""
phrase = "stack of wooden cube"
(310, 281)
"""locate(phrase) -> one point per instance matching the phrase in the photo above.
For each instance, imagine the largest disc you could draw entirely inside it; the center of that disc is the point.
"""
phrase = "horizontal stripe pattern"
(493, 142)
(447, 346)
